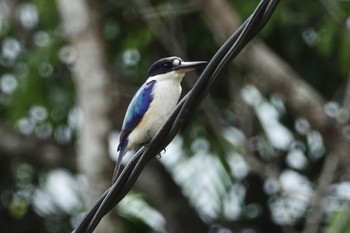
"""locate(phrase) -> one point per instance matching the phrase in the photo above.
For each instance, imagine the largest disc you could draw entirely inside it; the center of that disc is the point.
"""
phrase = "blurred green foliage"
(37, 92)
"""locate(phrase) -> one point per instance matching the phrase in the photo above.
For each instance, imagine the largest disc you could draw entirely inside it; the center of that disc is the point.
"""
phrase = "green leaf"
(327, 36)
(344, 53)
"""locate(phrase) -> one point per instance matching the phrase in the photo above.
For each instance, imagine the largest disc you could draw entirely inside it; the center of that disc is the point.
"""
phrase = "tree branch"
(325, 179)
(276, 76)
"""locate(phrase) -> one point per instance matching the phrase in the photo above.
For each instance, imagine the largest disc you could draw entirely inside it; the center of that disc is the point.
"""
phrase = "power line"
(227, 52)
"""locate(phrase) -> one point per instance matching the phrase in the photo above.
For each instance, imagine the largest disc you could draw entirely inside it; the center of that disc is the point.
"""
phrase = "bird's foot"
(159, 156)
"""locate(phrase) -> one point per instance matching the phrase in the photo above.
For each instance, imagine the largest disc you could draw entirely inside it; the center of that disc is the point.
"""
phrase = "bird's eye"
(176, 62)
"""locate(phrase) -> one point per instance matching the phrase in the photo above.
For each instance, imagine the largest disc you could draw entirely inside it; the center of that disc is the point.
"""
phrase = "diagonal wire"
(231, 48)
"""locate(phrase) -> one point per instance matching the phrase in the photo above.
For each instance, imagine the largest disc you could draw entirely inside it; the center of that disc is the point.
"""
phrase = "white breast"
(166, 94)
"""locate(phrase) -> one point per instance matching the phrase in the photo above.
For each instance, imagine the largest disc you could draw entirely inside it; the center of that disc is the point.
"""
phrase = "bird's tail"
(122, 151)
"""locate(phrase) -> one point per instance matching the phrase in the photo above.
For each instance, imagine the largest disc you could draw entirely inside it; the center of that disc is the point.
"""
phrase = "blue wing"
(137, 108)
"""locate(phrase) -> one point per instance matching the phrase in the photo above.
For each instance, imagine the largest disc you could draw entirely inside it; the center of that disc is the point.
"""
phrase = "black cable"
(228, 51)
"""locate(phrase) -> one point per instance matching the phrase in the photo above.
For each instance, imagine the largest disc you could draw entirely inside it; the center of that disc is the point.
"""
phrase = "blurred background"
(268, 150)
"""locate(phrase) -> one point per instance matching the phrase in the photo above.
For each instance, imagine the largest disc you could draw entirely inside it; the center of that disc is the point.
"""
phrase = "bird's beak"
(187, 66)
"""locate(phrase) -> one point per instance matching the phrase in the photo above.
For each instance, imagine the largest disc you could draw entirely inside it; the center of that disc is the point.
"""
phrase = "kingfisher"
(152, 104)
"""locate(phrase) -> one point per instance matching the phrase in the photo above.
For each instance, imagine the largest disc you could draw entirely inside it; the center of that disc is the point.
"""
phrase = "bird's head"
(172, 68)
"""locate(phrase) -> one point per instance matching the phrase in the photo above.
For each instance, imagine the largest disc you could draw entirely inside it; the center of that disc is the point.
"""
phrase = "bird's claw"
(159, 156)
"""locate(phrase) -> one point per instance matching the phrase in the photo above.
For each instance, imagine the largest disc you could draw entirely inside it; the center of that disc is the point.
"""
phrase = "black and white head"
(172, 67)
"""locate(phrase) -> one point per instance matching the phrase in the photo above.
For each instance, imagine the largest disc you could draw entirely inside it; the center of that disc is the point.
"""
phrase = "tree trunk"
(92, 81)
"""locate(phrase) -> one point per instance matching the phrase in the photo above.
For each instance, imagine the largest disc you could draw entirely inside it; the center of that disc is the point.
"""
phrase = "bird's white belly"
(166, 96)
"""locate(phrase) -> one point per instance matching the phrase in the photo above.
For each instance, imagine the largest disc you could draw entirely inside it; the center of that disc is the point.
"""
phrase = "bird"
(152, 104)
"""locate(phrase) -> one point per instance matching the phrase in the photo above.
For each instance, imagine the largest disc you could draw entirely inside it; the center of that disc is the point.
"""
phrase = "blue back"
(137, 108)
